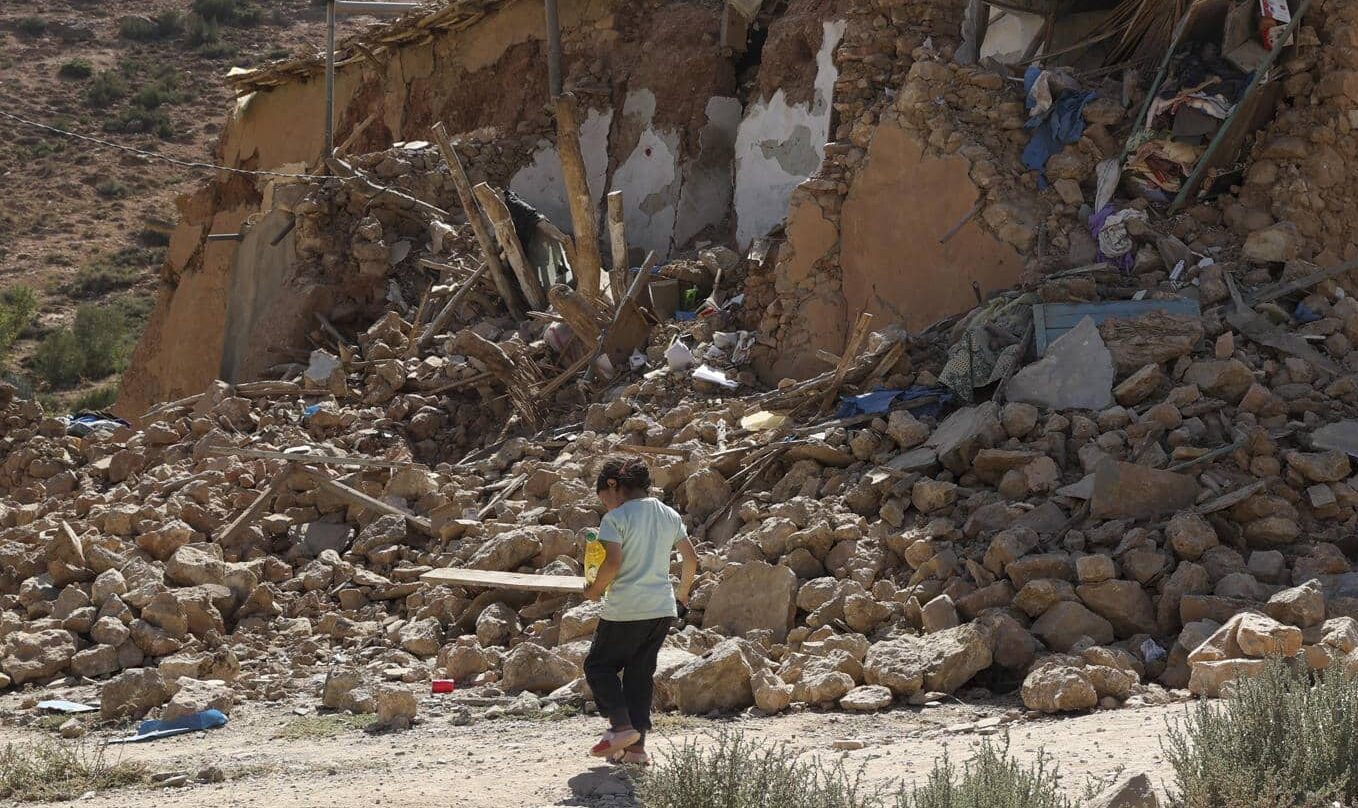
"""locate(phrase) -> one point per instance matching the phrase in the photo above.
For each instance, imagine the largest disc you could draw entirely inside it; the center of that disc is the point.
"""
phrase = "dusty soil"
(66, 205)
(498, 763)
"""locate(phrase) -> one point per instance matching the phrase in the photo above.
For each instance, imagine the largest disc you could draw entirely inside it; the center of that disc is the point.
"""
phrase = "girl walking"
(640, 534)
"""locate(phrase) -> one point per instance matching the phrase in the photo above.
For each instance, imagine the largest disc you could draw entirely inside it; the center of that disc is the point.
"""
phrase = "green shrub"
(58, 360)
(32, 26)
(169, 23)
(138, 29)
(200, 31)
(111, 189)
(1281, 739)
(992, 779)
(111, 272)
(48, 771)
(100, 398)
(216, 10)
(106, 88)
(77, 69)
(218, 50)
(733, 772)
(104, 339)
(18, 307)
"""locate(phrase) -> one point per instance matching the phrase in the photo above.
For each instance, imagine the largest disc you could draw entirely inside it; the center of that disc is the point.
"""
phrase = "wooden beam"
(307, 457)
(584, 218)
(860, 333)
(617, 241)
(256, 508)
(355, 134)
(503, 283)
(355, 497)
(498, 213)
(516, 581)
(446, 313)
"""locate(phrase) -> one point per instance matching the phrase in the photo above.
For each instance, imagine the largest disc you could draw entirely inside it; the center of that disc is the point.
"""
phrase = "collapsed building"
(1093, 443)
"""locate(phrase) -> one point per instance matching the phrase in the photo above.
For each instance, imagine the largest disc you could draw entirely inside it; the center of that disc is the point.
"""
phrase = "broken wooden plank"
(584, 218)
(362, 500)
(516, 581)
(256, 508)
(505, 493)
(465, 197)
(1300, 284)
(307, 457)
(493, 203)
(633, 292)
(1230, 498)
(446, 313)
(1054, 319)
(617, 242)
(851, 348)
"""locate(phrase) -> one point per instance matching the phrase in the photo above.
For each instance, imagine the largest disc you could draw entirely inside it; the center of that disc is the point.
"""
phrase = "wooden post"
(617, 240)
(257, 508)
(851, 348)
(498, 213)
(503, 284)
(584, 218)
(445, 314)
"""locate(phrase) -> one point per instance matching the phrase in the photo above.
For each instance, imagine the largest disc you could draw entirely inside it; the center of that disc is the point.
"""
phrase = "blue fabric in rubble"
(196, 722)
(1062, 124)
(880, 401)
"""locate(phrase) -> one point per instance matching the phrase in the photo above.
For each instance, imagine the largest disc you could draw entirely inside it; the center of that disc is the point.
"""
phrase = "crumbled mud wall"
(661, 121)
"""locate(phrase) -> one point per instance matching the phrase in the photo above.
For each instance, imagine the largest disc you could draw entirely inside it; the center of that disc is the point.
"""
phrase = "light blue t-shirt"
(648, 530)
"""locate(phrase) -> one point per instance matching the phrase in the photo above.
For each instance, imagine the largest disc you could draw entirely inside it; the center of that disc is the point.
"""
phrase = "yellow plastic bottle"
(594, 555)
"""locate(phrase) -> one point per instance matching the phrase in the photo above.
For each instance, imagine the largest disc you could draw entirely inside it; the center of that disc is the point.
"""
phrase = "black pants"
(630, 647)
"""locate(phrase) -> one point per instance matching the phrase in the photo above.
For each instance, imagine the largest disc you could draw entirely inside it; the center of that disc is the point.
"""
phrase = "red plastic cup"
(443, 685)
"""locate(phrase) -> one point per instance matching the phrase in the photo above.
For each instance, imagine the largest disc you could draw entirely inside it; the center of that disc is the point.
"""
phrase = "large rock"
(579, 621)
(751, 597)
(1209, 679)
(1260, 636)
(132, 694)
(940, 662)
(496, 625)
(1227, 379)
(98, 660)
(1058, 689)
(422, 637)
(1124, 604)
(348, 690)
(1131, 491)
(1320, 467)
(771, 694)
(867, 698)
(38, 655)
(707, 492)
(192, 565)
(1061, 626)
(529, 666)
(506, 552)
(396, 706)
(717, 681)
(906, 430)
(463, 659)
(194, 695)
(1301, 606)
(1075, 374)
(1272, 245)
(963, 434)
(1190, 535)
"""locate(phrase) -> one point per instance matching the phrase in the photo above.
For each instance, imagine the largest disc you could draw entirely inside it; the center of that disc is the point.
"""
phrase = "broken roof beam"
(382, 9)
(588, 266)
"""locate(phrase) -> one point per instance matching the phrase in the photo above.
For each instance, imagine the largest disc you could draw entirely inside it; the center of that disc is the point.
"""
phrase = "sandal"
(614, 742)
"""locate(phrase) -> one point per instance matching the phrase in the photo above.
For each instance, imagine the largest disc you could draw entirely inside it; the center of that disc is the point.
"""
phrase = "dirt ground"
(498, 763)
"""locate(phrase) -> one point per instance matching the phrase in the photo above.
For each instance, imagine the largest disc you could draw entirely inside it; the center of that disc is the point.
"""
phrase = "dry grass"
(331, 725)
(47, 771)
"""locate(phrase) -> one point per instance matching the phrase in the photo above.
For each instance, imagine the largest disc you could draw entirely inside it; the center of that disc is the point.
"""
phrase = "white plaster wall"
(542, 184)
(649, 181)
(705, 198)
(778, 145)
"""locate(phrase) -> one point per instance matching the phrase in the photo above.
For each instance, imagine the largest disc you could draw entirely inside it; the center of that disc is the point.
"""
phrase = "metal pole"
(329, 79)
(553, 50)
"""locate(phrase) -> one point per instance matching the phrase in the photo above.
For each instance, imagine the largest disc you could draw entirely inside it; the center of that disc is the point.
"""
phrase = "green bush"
(733, 772)
(200, 31)
(32, 26)
(18, 307)
(1281, 739)
(218, 50)
(100, 398)
(138, 29)
(111, 272)
(106, 88)
(216, 10)
(76, 69)
(104, 339)
(111, 189)
(58, 360)
(992, 779)
(136, 121)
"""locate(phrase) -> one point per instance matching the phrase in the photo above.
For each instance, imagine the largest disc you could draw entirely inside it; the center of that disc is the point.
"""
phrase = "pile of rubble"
(1142, 501)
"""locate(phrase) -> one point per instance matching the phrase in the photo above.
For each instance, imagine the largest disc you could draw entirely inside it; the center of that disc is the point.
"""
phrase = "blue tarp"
(1062, 124)
(83, 424)
(880, 401)
(197, 722)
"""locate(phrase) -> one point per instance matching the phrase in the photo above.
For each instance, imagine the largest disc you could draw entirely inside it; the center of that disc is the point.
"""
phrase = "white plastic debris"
(678, 356)
(706, 373)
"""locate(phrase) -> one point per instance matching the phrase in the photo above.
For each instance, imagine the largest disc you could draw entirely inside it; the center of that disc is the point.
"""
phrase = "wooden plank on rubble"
(355, 497)
(517, 581)
(498, 213)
